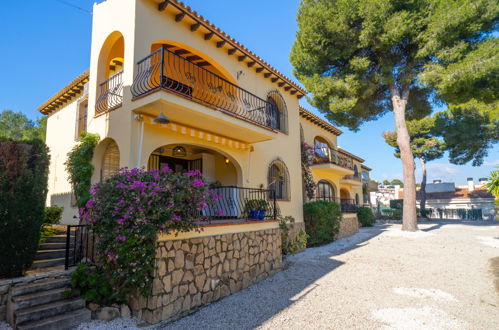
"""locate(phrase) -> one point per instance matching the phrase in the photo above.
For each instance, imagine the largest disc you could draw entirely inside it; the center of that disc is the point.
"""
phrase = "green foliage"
(291, 245)
(307, 159)
(23, 191)
(79, 167)
(397, 204)
(493, 184)
(365, 216)
(93, 285)
(322, 221)
(53, 215)
(424, 144)
(392, 214)
(469, 131)
(16, 126)
(424, 213)
(129, 210)
(256, 205)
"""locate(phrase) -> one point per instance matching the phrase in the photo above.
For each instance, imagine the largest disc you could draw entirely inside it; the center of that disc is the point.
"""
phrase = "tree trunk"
(399, 102)
(422, 204)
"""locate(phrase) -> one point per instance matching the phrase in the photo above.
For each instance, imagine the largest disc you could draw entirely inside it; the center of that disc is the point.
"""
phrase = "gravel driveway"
(381, 278)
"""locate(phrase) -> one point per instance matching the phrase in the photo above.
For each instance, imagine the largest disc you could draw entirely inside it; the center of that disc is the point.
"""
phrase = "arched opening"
(110, 161)
(325, 191)
(278, 179)
(302, 135)
(324, 153)
(356, 172)
(277, 112)
(109, 73)
(356, 199)
(344, 194)
(218, 169)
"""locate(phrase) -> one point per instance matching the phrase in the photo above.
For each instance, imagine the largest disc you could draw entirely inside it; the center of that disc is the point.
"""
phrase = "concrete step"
(50, 254)
(49, 262)
(53, 246)
(59, 322)
(57, 239)
(39, 298)
(47, 310)
(40, 286)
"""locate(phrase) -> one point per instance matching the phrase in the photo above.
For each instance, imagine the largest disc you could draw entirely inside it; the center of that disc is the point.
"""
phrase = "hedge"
(23, 191)
(322, 221)
(365, 216)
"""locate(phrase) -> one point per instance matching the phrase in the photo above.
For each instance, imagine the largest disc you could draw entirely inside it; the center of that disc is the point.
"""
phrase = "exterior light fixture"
(227, 161)
(161, 119)
(179, 151)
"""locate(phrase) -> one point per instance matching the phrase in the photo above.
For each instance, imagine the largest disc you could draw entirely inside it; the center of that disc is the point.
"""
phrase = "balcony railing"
(336, 158)
(110, 94)
(355, 177)
(347, 205)
(165, 70)
(241, 204)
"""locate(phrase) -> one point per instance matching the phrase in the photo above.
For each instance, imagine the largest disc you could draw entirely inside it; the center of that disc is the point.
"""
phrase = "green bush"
(425, 213)
(365, 216)
(291, 245)
(322, 221)
(93, 286)
(53, 215)
(23, 191)
(393, 214)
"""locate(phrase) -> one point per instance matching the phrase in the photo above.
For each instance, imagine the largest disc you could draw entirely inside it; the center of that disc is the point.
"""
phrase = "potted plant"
(256, 208)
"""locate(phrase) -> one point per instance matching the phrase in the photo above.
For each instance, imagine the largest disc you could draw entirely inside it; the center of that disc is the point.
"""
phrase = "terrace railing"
(110, 94)
(165, 70)
(241, 204)
(347, 205)
(80, 241)
(336, 158)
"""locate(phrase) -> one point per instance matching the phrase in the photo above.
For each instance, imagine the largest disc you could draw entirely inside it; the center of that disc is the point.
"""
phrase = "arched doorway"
(344, 194)
(325, 191)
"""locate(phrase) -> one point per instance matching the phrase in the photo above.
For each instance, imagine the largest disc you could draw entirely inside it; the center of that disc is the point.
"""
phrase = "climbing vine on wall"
(79, 167)
(307, 159)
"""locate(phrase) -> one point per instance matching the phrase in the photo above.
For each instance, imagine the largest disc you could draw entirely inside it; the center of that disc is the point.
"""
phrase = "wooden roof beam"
(281, 83)
(208, 36)
(179, 17)
(232, 51)
(162, 5)
(267, 74)
(241, 58)
(194, 27)
(220, 44)
(258, 70)
(274, 79)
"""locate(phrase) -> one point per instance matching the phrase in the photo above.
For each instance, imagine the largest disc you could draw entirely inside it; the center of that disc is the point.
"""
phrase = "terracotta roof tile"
(459, 193)
(304, 113)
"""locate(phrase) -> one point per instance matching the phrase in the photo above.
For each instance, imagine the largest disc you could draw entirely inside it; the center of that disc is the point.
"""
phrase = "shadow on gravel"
(256, 304)
(437, 224)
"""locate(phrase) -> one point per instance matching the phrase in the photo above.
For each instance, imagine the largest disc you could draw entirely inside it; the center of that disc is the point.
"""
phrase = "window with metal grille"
(325, 191)
(323, 152)
(278, 180)
(277, 112)
(81, 119)
(110, 161)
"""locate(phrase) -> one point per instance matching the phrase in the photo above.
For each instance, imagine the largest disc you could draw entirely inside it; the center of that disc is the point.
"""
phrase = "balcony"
(240, 114)
(110, 94)
(353, 180)
(336, 163)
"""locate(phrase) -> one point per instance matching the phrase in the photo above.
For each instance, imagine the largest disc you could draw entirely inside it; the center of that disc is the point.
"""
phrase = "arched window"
(323, 151)
(110, 161)
(302, 135)
(325, 191)
(277, 113)
(81, 119)
(278, 179)
(356, 172)
(356, 199)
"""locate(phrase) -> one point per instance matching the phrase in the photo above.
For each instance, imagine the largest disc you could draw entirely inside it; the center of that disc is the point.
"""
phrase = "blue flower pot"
(253, 214)
(260, 215)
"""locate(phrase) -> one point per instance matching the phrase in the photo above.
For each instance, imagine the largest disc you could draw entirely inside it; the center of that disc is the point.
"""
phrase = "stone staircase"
(42, 306)
(52, 252)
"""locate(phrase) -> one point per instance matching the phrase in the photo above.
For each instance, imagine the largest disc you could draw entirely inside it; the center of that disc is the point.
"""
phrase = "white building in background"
(385, 194)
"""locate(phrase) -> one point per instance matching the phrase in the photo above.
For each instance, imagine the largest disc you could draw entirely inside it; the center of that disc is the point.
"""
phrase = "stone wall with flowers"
(349, 225)
(197, 271)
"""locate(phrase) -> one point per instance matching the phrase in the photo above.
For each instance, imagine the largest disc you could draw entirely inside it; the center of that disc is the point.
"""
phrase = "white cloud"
(440, 171)
(493, 163)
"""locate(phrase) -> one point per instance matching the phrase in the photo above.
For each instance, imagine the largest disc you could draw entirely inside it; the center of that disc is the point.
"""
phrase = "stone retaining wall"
(6, 284)
(197, 271)
(349, 226)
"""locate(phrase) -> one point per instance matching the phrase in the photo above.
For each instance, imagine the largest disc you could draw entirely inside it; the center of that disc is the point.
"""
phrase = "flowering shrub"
(129, 210)
(307, 159)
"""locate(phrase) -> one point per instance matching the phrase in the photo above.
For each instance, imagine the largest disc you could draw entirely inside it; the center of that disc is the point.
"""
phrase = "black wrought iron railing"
(110, 94)
(165, 70)
(237, 203)
(347, 205)
(336, 158)
(80, 242)
(355, 177)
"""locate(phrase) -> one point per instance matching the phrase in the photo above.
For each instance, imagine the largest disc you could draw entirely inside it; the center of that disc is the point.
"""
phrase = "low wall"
(192, 272)
(349, 225)
(7, 284)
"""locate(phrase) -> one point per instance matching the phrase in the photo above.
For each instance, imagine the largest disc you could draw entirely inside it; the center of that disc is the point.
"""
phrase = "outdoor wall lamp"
(161, 119)
(179, 151)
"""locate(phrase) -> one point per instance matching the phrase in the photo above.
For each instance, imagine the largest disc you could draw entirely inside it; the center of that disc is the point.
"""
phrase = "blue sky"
(45, 44)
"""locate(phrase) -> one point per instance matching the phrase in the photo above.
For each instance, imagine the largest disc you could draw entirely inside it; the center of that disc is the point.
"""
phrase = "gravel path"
(381, 278)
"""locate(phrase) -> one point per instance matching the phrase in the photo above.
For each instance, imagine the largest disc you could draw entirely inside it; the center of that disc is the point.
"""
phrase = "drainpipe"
(140, 119)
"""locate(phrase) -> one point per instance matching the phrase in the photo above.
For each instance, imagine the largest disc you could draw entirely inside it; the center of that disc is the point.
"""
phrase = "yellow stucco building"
(167, 88)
